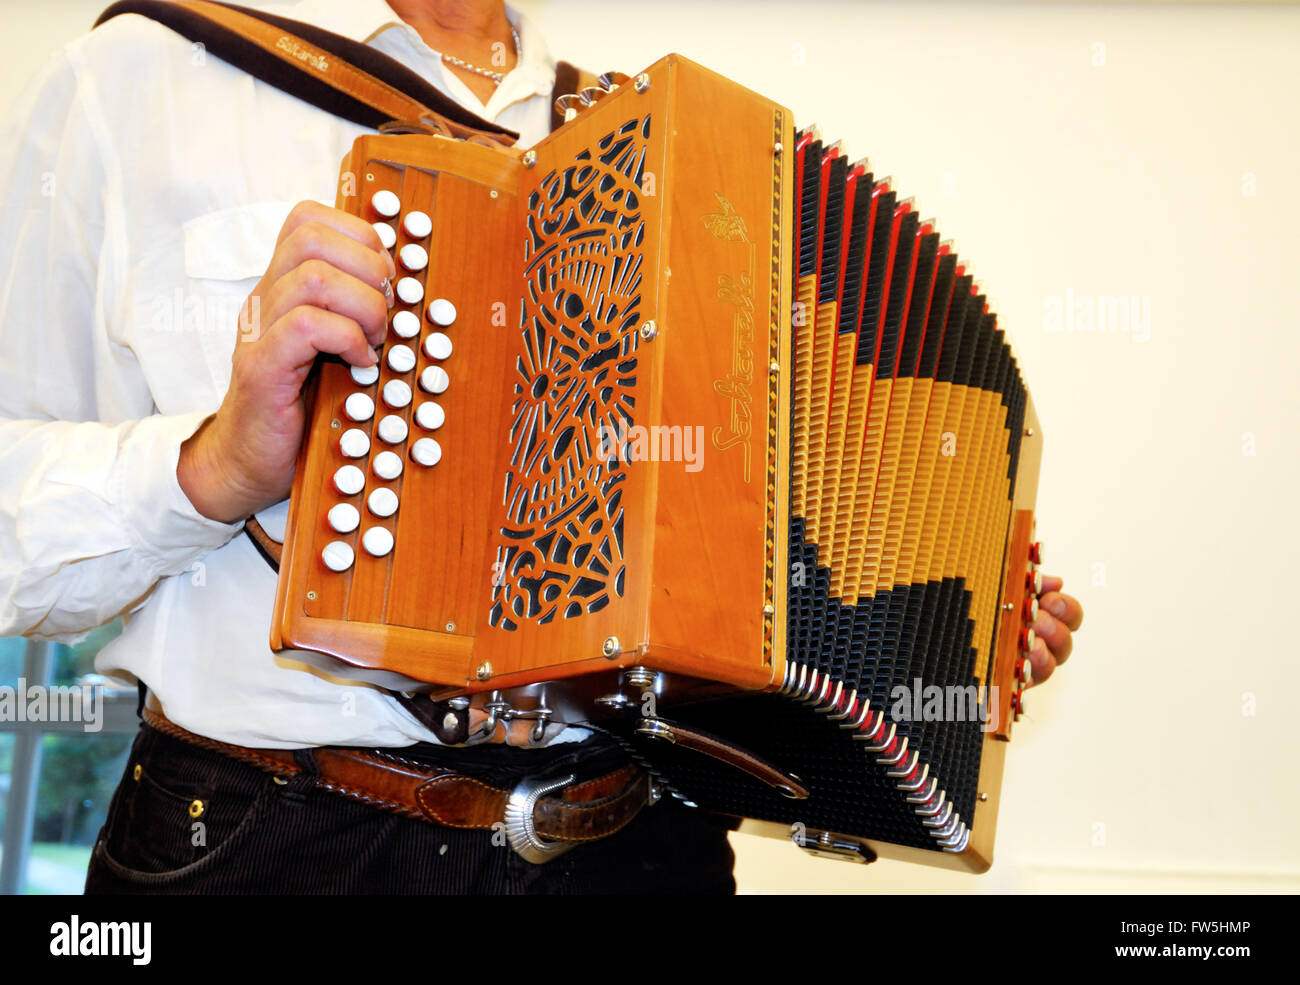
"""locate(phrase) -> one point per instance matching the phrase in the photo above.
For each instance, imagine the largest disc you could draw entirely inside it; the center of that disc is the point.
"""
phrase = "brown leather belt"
(537, 826)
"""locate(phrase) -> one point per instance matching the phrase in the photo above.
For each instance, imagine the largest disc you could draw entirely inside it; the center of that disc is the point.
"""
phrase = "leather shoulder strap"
(342, 76)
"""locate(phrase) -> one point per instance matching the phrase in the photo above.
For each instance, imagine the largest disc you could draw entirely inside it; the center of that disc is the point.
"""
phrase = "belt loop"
(295, 789)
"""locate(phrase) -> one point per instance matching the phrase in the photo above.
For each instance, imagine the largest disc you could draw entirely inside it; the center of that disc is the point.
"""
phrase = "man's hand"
(323, 292)
(1059, 615)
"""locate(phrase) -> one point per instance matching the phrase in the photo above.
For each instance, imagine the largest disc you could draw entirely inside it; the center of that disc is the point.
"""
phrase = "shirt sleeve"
(91, 512)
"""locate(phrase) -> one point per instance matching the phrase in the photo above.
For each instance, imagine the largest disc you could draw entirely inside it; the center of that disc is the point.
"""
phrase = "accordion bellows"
(711, 403)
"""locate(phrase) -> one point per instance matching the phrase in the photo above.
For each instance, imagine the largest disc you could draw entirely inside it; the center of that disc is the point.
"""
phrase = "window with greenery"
(57, 778)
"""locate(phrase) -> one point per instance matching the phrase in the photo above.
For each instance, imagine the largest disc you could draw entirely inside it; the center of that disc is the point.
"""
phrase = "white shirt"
(144, 182)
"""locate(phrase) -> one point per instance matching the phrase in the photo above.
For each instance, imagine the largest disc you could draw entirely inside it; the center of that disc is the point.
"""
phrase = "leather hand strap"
(733, 755)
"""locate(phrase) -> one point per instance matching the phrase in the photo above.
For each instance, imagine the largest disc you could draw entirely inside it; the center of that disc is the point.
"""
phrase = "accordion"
(691, 425)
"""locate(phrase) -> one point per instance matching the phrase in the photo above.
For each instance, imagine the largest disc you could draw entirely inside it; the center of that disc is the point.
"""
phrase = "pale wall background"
(1147, 151)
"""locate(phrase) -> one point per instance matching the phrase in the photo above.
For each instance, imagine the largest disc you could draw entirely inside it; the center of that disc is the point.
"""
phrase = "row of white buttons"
(406, 324)
(418, 225)
(397, 394)
(401, 359)
(345, 517)
(350, 480)
(338, 555)
(355, 443)
(387, 204)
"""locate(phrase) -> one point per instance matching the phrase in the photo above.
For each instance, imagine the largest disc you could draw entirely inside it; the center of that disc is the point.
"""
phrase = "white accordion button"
(365, 375)
(397, 394)
(426, 452)
(392, 429)
(345, 518)
(430, 415)
(387, 465)
(434, 379)
(382, 502)
(386, 235)
(354, 443)
(406, 324)
(418, 225)
(410, 290)
(385, 203)
(413, 257)
(437, 346)
(442, 312)
(359, 407)
(401, 359)
(349, 480)
(377, 541)
(337, 556)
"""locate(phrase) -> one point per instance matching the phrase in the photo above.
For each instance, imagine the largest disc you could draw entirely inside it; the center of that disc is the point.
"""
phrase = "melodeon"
(690, 425)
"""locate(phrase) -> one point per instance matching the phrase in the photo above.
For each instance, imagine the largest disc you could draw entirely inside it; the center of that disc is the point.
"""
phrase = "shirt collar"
(537, 65)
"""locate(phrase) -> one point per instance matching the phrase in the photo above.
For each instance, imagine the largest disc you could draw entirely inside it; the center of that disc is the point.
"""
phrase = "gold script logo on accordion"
(313, 58)
(738, 293)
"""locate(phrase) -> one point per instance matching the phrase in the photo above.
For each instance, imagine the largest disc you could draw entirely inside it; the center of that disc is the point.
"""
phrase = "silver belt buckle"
(521, 830)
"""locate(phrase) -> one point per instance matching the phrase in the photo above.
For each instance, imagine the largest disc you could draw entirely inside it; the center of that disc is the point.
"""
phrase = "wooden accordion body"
(718, 408)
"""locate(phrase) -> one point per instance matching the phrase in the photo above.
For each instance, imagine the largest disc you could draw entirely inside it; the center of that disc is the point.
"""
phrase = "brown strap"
(319, 70)
(269, 549)
(726, 752)
(386, 780)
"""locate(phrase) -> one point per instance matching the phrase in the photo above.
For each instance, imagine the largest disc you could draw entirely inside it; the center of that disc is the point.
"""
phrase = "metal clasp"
(521, 829)
(824, 844)
(494, 706)
(501, 711)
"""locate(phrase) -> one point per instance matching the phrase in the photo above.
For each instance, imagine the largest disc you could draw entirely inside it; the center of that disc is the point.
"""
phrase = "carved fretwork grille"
(561, 549)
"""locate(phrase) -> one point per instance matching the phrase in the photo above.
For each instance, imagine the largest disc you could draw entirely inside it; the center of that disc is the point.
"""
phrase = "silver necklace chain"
(494, 76)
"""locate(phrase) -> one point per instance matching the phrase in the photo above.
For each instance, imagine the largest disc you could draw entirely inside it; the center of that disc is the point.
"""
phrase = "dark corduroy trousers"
(186, 820)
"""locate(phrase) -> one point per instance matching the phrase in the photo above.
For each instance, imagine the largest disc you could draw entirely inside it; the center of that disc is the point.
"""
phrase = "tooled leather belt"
(537, 826)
